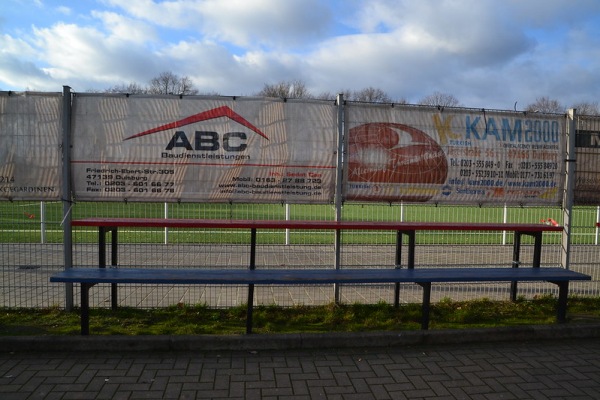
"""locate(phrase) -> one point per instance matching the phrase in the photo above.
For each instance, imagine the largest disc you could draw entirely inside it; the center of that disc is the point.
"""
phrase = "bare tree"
(347, 93)
(545, 105)
(209, 93)
(131, 88)
(372, 95)
(587, 108)
(286, 89)
(440, 100)
(326, 96)
(186, 86)
(164, 83)
(170, 83)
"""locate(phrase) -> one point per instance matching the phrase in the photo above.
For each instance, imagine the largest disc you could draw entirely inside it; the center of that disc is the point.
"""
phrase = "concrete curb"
(295, 341)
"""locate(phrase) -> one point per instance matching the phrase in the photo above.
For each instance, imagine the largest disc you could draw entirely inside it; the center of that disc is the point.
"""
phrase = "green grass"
(20, 222)
(198, 319)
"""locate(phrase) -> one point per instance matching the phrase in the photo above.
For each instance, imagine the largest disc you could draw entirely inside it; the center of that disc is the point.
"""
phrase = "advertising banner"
(587, 170)
(30, 153)
(424, 154)
(138, 148)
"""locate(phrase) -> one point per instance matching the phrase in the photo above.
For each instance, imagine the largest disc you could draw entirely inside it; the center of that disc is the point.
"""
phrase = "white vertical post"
(597, 220)
(504, 220)
(166, 217)
(43, 222)
(287, 218)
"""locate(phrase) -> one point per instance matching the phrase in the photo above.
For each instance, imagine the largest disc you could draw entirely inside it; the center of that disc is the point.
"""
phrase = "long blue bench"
(88, 277)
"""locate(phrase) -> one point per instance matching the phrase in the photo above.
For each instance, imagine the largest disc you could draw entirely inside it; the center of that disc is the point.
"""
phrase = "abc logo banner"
(203, 149)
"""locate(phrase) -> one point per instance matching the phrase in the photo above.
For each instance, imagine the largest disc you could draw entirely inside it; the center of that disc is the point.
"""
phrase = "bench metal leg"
(398, 265)
(537, 256)
(411, 258)
(515, 263)
(252, 267)
(101, 247)
(537, 249)
(85, 308)
(114, 296)
(412, 243)
(426, 305)
(114, 254)
(561, 308)
(250, 309)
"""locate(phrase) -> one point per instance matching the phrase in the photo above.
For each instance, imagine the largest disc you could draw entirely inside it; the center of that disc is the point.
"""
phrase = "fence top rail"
(311, 224)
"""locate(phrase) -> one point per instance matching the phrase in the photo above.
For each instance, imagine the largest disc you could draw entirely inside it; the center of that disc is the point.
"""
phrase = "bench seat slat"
(311, 276)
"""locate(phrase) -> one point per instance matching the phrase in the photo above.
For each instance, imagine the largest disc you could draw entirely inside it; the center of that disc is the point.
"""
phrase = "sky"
(493, 54)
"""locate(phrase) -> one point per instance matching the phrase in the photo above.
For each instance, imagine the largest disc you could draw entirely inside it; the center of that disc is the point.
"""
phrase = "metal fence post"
(66, 192)
(42, 222)
(338, 189)
(569, 188)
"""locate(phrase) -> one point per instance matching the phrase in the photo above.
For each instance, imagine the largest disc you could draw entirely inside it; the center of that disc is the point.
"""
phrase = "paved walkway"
(555, 362)
(520, 369)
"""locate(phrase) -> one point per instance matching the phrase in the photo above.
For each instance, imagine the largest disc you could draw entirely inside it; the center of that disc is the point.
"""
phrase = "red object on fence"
(550, 221)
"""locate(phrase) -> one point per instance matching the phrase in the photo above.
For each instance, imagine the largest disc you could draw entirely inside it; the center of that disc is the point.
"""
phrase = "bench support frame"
(424, 277)
(403, 275)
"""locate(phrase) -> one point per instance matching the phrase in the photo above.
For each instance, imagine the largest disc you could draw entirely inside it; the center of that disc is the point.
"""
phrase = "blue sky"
(487, 53)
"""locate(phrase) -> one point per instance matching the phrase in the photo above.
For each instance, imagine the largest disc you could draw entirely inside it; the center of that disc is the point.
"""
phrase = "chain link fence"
(32, 249)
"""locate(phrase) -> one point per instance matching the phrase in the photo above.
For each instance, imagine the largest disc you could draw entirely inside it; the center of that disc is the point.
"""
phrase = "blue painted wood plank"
(312, 276)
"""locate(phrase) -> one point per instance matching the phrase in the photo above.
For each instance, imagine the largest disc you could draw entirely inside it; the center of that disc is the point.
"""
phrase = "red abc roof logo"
(223, 111)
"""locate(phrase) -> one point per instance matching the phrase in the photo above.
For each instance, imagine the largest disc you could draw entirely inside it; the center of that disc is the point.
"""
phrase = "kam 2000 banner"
(210, 149)
(454, 156)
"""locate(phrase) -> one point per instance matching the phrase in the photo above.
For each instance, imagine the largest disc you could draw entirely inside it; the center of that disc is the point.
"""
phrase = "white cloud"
(18, 66)
(64, 10)
(488, 53)
(271, 22)
(172, 14)
(85, 56)
(547, 14)
(121, 28)
(25, 75)
(239, 22)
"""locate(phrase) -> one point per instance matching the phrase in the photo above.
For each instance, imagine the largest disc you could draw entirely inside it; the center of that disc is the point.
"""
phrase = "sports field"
(33, 222)
(27, 263)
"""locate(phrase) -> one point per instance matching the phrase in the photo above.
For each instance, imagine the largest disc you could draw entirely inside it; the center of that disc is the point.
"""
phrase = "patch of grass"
(200, 319)
(488, 313)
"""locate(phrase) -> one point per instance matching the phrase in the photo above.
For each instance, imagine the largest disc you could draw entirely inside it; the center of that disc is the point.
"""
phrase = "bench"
(88, 277)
